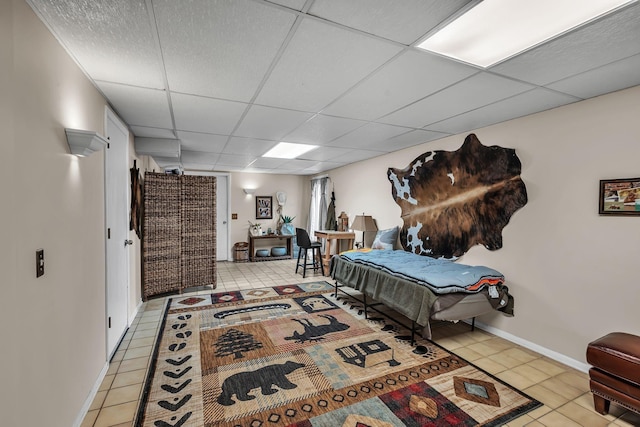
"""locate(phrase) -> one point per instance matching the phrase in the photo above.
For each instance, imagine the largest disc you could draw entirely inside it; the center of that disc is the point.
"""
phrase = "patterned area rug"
(298, 356)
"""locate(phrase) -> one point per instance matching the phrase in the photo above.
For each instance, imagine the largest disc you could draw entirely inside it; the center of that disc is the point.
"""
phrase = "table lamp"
(364, 223)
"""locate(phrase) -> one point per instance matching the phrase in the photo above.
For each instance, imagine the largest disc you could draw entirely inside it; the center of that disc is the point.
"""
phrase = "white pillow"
(385, 239)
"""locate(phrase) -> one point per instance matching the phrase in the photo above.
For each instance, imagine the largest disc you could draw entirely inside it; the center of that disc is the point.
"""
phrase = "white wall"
(573, 273)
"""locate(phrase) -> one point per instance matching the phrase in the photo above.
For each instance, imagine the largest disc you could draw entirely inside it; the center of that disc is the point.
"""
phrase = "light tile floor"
(563, 391)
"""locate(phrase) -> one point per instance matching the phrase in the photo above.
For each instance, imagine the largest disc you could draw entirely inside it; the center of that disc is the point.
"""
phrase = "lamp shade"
(83, 142)
(364, 223)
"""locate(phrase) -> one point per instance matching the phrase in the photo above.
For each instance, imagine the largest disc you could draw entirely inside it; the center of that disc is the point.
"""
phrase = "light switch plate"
(39, 262)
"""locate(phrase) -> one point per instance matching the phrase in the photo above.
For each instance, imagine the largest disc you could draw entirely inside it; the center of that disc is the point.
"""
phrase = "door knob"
(128, 242)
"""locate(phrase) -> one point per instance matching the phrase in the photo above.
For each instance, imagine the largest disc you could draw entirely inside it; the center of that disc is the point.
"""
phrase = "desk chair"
(305, 243)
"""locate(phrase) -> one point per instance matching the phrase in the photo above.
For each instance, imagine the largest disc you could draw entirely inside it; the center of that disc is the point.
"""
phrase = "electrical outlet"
(39, 262)
(234, 216)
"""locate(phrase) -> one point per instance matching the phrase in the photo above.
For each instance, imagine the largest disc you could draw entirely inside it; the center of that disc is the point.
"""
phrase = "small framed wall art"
(619, 196)
(264, 207)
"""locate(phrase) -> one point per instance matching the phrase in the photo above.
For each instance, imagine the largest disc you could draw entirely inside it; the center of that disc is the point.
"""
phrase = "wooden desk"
(330, 235)
(288, 244)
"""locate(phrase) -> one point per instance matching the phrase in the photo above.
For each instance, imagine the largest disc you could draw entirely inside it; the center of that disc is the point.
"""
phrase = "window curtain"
(318, 207)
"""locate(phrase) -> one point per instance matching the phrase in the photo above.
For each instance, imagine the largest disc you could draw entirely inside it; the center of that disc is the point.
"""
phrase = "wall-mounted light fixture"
(249, 191)
(83, 142)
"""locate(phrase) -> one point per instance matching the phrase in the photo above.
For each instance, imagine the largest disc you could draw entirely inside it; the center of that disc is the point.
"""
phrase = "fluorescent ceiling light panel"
(494, 30)
(288, 150)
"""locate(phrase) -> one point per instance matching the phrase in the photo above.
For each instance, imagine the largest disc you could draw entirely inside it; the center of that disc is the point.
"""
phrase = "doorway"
(222, 218)
(222, 213)
(117, 230)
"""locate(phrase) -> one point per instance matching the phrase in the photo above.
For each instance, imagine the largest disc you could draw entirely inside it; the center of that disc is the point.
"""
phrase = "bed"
(422, 288)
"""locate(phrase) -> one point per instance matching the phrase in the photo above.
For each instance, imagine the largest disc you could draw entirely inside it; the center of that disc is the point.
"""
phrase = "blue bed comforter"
(440, 275)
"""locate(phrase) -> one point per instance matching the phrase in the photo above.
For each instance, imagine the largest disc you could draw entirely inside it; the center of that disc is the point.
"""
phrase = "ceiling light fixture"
(495, 30)
(288, 150)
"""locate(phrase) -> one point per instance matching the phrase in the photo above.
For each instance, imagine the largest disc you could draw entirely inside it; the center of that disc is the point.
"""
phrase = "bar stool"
(305, 243)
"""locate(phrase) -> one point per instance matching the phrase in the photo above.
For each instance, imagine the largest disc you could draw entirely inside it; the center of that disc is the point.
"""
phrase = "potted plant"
(287, 225)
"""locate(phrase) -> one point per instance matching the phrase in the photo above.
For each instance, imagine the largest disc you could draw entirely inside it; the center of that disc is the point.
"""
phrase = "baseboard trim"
(135, 312)
(558, 357)
(92, 395)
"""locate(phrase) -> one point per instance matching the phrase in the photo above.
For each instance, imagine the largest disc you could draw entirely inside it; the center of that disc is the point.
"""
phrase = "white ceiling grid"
(230, 79)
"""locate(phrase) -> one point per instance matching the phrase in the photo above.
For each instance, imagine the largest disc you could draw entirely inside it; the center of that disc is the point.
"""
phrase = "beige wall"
(54, 326)
(266, 185)
(10, 356)
(572, 272)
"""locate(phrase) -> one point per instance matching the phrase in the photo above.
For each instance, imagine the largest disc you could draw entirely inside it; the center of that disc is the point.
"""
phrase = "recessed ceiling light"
(288, 150)
(494, 30)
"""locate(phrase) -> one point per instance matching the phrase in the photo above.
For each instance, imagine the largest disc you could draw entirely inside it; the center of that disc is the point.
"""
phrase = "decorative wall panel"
(161, 234)
(179, 233)
(453, 200)
(198, 214)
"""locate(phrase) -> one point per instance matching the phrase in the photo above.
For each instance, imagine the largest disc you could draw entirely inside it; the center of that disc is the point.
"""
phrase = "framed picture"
(264, 207)
(620, 196)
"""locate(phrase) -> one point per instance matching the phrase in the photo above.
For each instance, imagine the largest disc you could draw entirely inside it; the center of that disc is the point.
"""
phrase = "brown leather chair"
(615, 375)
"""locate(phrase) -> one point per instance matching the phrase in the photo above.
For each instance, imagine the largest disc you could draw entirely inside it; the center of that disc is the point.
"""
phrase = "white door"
(117, 230)
(222, 218)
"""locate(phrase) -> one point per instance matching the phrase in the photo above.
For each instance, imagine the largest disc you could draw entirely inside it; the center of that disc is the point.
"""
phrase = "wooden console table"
(288, 244)
(330, 235)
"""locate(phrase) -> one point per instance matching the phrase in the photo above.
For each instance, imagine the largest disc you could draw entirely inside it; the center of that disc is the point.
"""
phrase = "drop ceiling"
(226, 80)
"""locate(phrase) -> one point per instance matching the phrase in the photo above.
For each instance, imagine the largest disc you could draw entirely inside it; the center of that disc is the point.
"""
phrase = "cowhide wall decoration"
(453, 200)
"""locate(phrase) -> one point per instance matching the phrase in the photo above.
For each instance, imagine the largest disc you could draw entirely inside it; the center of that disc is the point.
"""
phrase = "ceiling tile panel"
(148, 132)
(608, 78)
(409, 77)
(220, 48)
(199, 114)
(291, 4)
(194, 141)
(368, 135)
(607, 40)
(196, 166)
(268, 163)
(408, 139)
(291, 165)
(325, 153)
(520, 105)
(359, 155)
(270, 123)
(404, 21)
(199, 157)
(139, 106)
(321, 62)
(111, 40)
(321, 129)
(248, 146)
(232, 160)
(320, 167)
(474, 92)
